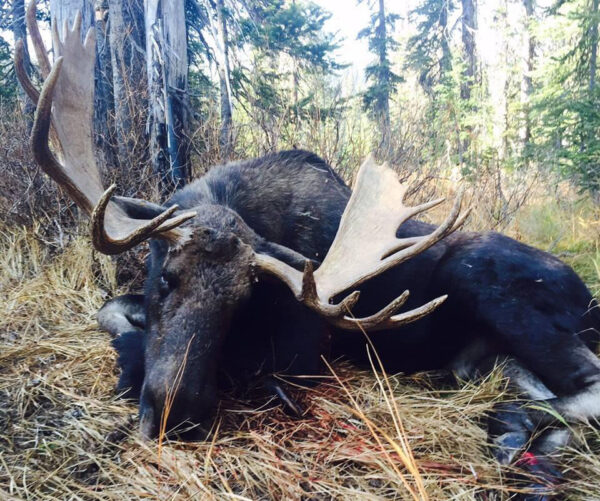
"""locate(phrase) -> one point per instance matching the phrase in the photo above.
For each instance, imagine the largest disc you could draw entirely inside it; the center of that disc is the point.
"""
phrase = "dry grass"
(63, 435)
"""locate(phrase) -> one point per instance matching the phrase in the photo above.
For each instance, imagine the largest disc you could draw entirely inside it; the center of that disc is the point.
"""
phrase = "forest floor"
(64, 434)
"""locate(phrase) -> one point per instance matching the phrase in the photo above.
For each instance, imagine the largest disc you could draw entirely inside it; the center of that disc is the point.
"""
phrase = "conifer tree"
(382, 80)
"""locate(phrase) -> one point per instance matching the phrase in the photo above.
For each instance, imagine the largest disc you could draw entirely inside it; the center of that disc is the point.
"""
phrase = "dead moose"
(251, 265)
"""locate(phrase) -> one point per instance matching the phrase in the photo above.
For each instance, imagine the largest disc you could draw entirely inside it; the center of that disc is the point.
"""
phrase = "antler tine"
(310, 296)
(106, 244)
(38, 44)
(417, 209)
(382, 320)
(401, 252)
(21, 73)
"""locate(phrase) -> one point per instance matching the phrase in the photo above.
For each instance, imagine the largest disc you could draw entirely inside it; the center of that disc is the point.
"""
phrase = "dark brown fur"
(206, 310)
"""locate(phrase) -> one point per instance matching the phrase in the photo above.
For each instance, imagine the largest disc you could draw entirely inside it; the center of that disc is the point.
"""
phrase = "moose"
(264, 266)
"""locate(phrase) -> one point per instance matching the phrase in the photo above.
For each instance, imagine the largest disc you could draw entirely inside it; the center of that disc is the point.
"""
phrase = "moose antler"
(365, 246)
(66, 102)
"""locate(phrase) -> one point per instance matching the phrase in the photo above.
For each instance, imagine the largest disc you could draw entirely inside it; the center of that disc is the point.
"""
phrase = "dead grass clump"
(63, 434)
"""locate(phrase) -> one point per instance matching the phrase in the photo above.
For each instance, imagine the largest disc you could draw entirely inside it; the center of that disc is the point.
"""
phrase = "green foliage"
(428, 50)
(383, 81)
(567, 103)
(296, 29)
(202, 90)
(289, 45)
(8, 80)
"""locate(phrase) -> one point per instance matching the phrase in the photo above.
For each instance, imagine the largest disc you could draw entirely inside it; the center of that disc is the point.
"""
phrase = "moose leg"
(514, 435)
(571, 371)
(124, 318)
(510, 425)
(511, 429)
(580, 399)
(130, 348)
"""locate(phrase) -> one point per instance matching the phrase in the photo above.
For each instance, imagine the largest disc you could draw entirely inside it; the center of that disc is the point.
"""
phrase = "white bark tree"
(166, 67)
(64, 11)
(128, 71)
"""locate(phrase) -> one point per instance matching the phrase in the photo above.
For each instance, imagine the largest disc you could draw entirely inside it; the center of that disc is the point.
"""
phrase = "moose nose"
(149, 424)
(182, 411)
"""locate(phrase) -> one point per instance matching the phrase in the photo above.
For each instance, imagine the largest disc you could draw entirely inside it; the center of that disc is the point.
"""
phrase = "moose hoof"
(539, 478)
(509, 430)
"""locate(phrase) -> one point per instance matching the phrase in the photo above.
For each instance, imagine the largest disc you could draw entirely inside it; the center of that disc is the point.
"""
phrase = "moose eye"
(166, 283)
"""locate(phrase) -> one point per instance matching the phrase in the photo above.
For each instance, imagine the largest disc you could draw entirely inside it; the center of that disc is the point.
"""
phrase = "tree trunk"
(127, 56)
(65, 10)
(505, 150)
(383, 100)
(103, 123)
(166, 67)
(527, 76)
(593, 46)
(469, 25)
(226, 136)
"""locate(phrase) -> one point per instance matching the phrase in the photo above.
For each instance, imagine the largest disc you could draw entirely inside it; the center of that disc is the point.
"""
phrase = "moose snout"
(176, 406)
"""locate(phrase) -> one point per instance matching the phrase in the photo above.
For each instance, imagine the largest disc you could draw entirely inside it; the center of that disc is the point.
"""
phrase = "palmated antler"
(365, 246)
(66, 102)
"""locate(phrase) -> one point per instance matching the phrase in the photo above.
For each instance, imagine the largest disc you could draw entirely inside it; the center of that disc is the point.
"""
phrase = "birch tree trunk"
(527, 75)
(469, 25)
(226, 137)
(127, 57)
(383, 105)
(166, 67)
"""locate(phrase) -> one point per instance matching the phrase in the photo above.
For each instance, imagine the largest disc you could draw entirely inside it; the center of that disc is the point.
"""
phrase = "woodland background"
(499, 95)
(184, 84)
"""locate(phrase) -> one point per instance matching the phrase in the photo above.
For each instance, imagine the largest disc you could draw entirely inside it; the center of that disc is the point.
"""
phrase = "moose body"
(225, 290)
(505, 299)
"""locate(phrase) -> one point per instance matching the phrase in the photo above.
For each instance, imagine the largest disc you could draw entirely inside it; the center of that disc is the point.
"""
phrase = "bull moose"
(251, 265)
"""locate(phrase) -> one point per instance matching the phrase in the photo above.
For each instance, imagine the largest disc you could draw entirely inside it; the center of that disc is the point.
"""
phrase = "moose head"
(209, 258)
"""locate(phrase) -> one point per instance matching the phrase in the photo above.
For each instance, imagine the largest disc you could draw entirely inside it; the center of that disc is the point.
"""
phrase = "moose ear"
(122, 314)
(139, 209)
(285, 254)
